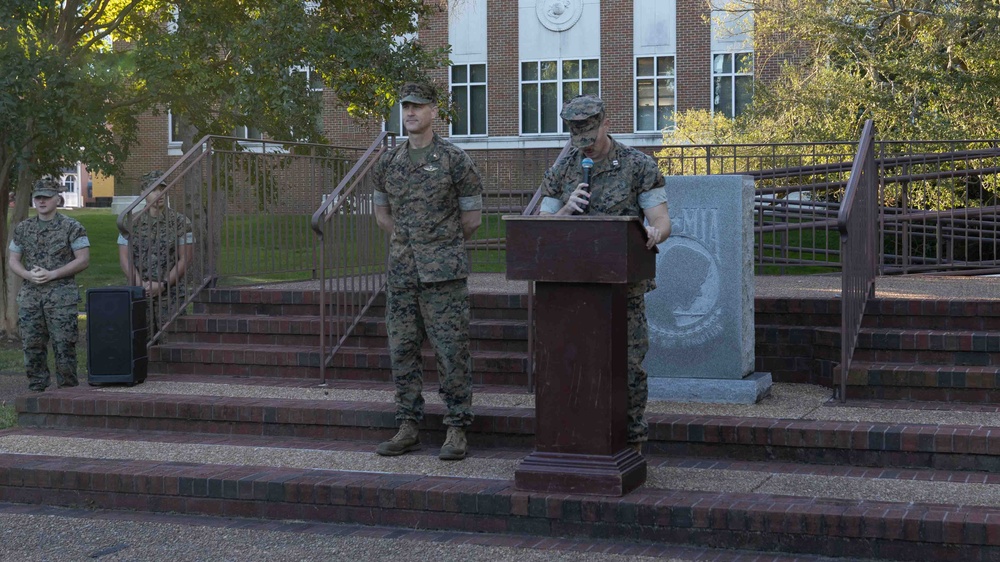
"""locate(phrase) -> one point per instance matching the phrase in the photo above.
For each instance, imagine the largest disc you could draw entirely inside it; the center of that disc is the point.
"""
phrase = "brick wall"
(616, 63)
(148, 153)
(503, 75)
(694, 51)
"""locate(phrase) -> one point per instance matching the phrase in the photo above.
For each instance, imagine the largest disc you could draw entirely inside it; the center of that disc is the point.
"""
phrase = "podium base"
(571, 473)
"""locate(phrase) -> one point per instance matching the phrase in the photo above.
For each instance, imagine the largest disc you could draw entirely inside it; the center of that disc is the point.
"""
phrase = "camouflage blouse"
(49, 245)
(426, 199)
(622, 184)
(155, 242)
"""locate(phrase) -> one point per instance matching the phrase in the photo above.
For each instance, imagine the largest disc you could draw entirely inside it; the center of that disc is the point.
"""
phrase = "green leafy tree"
(66, 95)
(922, 69)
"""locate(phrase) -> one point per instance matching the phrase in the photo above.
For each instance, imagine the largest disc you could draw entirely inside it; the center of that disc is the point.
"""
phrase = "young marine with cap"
(158, 251)
(428, 197)
(623, 182)
(47, 251)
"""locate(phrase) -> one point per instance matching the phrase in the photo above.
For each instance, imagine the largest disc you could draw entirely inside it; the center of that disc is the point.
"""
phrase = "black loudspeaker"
(117, 333)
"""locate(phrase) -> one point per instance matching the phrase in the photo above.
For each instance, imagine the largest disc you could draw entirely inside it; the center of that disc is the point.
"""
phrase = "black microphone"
(587, 165)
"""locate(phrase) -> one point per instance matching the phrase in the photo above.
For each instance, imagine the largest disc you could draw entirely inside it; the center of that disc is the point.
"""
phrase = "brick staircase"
(796, 474)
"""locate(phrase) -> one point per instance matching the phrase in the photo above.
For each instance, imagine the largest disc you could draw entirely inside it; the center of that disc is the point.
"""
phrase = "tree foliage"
(922, 69)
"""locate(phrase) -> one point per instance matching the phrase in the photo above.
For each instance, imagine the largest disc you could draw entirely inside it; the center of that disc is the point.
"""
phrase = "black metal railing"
(857, 221)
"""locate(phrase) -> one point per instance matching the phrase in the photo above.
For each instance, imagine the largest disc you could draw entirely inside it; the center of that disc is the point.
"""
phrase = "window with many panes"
(732, 82)
(546, 85)
(655, 93)
(468, 93)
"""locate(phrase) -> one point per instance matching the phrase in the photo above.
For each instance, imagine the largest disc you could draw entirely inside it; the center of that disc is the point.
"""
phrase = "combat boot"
(454, 445)
(405, 440)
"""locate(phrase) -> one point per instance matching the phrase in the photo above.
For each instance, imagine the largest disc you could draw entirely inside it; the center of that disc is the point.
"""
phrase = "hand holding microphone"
(581, 196)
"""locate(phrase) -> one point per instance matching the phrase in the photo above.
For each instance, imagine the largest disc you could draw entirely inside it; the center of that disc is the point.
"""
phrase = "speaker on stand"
(117, 333)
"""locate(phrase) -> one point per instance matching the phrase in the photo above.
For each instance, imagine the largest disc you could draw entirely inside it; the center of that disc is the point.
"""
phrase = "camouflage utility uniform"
(428, 270)
(154, 244)
(622, 184)
(49, 311)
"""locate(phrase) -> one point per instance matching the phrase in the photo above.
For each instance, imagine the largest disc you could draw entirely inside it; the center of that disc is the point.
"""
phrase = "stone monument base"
(748, 390)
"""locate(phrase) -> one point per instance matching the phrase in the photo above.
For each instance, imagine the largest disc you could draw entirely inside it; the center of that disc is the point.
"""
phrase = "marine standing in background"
(428, 197)
(623, 182)
(158, 251)
(47, 251)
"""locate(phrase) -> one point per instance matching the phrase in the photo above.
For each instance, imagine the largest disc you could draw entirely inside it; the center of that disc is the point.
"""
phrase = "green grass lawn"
(8, 417)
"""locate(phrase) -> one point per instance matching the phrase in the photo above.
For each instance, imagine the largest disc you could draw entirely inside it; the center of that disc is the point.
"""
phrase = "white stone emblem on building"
(559, 15)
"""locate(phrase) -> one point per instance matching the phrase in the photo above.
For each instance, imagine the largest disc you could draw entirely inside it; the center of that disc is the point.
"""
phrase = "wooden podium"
(582, 267)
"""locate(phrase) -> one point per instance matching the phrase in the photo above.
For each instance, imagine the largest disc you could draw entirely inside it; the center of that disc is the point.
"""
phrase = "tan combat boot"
(637, 447)
(404, 441)
(454, 445)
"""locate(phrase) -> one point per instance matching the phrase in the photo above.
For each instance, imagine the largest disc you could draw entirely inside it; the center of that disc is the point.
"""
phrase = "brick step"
(955, 439)
(284, 361)
(919, 314)
(939, 383)
(485, 334)
(296, 303)
(761, 520)
(928, 347)
(365, 542)
(933, 314)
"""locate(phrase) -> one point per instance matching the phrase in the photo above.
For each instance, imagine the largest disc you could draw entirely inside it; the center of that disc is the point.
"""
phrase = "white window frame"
(561, 95)
(172, 141)
(69, 183)
(469, 85)
(307, 70)
(732, 74)
(396, 114)
(655, 77)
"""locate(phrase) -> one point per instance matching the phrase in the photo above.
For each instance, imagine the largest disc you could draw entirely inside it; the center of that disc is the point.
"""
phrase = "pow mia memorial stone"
(701, 324)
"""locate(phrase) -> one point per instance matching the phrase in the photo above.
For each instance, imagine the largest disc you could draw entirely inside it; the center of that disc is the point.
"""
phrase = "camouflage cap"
(419, 93)
(150, 179)
(48, 186)
(583, 115)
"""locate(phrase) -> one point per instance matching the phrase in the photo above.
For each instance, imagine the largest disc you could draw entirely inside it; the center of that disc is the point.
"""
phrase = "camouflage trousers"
(441, 312)
(638, 391)
(40, 320)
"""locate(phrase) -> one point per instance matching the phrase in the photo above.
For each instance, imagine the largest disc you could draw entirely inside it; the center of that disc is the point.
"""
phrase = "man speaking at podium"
(600, 176)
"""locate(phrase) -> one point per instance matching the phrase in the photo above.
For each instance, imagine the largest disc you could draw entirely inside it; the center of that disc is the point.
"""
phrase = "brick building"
(515, 61)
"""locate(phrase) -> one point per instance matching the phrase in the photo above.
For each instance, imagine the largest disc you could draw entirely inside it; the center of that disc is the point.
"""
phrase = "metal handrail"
(199, 151)
(321, 221)
(857, 223)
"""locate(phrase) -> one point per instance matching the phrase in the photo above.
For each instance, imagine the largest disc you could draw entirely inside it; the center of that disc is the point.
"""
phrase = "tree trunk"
(10, 284)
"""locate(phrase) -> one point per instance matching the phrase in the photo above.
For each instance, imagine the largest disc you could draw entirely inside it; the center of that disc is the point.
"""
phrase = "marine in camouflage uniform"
(158, 249)
(424, 193)
(47, 251)
(624, 182)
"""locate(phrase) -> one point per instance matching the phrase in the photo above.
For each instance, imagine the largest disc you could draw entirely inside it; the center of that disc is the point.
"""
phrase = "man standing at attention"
(428, 197)
(157, 252)
(623, 182)
(47, 251)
